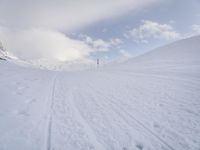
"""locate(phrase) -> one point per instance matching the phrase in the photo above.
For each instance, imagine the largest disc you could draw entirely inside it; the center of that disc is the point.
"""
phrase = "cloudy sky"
(83, 30)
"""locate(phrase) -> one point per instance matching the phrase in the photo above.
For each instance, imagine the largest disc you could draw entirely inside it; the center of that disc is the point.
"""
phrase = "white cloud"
(150, 29)
(64, 15)
(125, 53)
(35, 44)
(44, 45)
(100, 44)
(196, 29)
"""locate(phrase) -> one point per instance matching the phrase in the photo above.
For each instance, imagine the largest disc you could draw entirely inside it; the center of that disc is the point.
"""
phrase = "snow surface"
(151, 102)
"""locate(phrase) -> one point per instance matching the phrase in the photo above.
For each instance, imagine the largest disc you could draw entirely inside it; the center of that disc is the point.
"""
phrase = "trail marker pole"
(97, 63)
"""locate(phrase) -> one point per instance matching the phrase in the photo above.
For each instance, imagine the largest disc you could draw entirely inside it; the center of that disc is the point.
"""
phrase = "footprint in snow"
(29, 101)
(156, 125)
(21, 113)
(17, 83)
(17, 93)
(22, 87)
(139, 146)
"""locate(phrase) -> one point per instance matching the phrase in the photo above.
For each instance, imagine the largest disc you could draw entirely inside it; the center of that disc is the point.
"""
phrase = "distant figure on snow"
(97, 62)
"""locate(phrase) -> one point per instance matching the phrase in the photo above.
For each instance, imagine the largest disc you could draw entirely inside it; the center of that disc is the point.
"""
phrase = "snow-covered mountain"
(150, 102)
(2, 52)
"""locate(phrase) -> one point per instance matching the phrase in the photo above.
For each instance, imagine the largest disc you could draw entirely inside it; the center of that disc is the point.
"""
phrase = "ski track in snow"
(79, 117)
(49, 124)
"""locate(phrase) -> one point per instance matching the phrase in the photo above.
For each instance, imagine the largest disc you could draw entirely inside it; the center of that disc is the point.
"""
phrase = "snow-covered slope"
(179, 55)
(151, 102)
